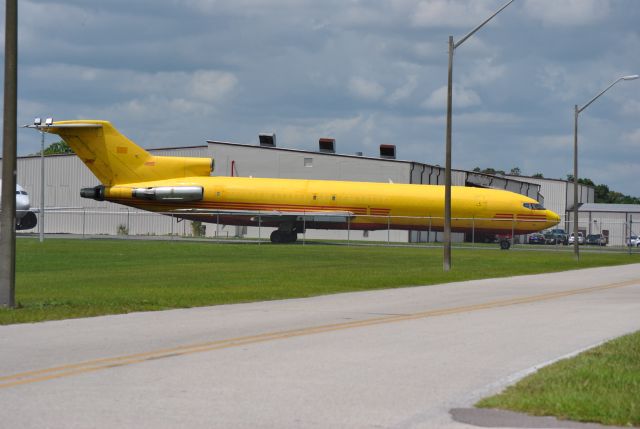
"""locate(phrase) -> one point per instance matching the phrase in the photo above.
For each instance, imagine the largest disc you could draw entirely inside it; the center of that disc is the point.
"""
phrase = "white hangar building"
(615, 221)
(67, 212)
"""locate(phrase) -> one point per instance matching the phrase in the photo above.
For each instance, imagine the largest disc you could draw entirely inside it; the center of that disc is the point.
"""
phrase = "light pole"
(577, 110)
(37, 122)
(447, 168)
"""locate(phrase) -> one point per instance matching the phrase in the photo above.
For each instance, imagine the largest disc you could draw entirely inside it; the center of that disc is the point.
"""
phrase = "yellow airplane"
(183, 187)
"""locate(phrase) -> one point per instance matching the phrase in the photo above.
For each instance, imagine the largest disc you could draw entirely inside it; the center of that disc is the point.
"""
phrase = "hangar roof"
(610, 208)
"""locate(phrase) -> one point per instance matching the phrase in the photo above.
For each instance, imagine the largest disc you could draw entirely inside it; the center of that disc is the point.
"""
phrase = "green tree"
(605, 195)
(59, 147)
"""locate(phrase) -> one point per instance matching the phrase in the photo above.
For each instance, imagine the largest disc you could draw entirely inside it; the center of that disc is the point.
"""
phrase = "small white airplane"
(25, 218)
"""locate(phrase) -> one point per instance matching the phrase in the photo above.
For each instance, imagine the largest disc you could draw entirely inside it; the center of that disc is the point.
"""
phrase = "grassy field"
(601, 385)
(62, 278)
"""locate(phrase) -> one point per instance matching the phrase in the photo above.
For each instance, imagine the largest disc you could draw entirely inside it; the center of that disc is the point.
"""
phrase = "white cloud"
(211, 85)
(632, 138)
(484, 118)
(549, 143)
(365, 89)
(295, 135)
(484, 71)
(631, 107)
(462, 98)
(430, 49)
(559, 83)
(405, 90)
(568, 12)
(200, 85)
(450, 13)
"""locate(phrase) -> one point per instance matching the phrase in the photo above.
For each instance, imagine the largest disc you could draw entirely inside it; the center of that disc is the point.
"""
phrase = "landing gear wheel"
(277, 237)
(292, 237)
(505, 244)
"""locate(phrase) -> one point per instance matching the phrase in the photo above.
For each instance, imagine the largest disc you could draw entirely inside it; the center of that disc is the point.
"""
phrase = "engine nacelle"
(95, 193)
(169, 193)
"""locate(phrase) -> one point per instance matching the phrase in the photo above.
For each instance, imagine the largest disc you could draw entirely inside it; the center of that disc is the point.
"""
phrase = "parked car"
(550, 238)
(536, 238)
(559, 236)
(596, 239)
(634, 240)
(580, 238)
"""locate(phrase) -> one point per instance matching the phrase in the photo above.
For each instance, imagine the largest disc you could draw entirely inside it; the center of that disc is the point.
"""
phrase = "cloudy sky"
(178, 72)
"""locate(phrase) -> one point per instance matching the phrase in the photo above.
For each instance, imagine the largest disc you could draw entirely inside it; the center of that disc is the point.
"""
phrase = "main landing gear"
(505, 244)
(283, 236)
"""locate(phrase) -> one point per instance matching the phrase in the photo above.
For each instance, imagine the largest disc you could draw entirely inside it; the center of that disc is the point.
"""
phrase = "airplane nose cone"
(22, 204)
(552, 218)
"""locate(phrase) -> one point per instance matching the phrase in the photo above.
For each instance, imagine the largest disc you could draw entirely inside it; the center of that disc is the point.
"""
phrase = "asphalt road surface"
(401, 358)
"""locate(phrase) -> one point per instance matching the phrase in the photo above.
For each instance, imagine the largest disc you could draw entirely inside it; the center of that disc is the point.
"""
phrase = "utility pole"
(9, 149)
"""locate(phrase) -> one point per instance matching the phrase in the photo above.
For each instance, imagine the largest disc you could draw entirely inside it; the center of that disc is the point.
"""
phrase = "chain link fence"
(421, 231)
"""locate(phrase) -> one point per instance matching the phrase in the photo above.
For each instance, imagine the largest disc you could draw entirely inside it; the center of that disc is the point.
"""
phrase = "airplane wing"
(276, 215)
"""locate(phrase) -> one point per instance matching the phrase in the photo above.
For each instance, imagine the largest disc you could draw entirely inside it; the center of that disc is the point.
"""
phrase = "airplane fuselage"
(183, 187)
(355, 205)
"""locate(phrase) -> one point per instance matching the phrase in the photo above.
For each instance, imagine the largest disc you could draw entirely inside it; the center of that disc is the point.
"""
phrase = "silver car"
(580, 238)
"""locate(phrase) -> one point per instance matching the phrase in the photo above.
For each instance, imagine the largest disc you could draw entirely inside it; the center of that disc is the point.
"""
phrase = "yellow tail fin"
(114, 159)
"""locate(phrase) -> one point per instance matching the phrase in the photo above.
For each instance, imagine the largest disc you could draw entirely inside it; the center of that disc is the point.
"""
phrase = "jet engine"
(169, 193)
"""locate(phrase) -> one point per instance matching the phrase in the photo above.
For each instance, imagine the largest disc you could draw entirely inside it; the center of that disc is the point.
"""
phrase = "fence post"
(388, 230)
(630, 232)
(217, 226)
(304, 228)
(348, 230)
(259, 229)
(473, 231)
(84, 220)
(513, 229)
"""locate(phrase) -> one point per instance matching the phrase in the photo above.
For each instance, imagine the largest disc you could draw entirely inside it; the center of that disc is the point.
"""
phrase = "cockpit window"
(21, 193)
(533, 206)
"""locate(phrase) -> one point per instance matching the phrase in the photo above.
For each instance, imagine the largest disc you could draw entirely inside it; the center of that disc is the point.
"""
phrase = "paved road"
(387, 359)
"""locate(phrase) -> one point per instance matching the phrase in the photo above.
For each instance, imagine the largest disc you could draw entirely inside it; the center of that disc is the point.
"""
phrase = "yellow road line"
(105, 363)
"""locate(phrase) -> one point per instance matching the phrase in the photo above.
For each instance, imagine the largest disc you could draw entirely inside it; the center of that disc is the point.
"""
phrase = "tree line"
(60, 147)
(602, 192)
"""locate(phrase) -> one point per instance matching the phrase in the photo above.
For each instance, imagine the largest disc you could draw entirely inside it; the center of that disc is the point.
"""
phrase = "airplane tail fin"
(114, 159)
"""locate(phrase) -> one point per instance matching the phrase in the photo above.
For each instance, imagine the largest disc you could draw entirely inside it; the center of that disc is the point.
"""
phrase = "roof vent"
(267, 140)
(358, 153)
(388, 151)
(327, 145)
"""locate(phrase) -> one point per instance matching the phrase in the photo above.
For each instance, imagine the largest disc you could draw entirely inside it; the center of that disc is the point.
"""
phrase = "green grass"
(601, 385)
(61, 278)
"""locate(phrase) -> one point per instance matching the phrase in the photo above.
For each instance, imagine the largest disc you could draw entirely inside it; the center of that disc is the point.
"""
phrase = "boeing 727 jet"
(183, 187)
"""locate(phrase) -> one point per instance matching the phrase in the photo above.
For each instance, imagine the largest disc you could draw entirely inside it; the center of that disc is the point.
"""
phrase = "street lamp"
(37, 123)
(447, 170)
(577, 111)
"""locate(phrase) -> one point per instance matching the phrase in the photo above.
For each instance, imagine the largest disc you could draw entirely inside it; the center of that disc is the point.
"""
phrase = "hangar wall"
(615, 221)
